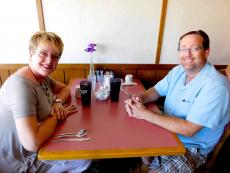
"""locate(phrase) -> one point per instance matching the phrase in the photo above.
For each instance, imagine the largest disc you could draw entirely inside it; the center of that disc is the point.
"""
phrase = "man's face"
(192, 55)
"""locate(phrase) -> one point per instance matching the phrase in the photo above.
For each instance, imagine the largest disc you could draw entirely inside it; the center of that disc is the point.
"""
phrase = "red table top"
(113, 133)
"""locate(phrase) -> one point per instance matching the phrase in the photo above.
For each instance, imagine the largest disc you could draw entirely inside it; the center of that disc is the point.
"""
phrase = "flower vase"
(91, 70)
(92, 76)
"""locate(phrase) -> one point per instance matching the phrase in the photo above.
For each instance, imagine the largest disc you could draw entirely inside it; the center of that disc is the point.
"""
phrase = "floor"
(134, 165)
(123, 165)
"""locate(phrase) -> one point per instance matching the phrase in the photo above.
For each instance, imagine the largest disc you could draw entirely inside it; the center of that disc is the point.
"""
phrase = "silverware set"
(126, 93)
(72, 136)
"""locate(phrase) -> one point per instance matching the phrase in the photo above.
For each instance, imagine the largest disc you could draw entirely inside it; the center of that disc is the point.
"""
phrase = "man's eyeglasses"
(193, 49)
(44, 54)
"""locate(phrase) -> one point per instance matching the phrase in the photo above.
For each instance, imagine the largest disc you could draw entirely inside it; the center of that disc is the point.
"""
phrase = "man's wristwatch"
(58, 101)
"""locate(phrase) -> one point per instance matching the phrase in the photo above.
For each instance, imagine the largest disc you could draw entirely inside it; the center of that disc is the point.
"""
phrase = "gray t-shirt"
(20, 97)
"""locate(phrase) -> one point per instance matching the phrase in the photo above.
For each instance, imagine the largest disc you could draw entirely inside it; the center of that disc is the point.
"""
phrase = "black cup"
(85, 87)
(115, 85)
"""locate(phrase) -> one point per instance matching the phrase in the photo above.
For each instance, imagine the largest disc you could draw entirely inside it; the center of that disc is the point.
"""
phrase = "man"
(196, 105)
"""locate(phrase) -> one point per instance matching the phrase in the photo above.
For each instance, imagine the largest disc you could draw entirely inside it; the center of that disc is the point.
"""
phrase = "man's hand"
(135, 108)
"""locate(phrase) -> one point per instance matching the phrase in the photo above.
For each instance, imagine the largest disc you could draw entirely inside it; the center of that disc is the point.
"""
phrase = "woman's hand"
(59, 110)
(63, 111)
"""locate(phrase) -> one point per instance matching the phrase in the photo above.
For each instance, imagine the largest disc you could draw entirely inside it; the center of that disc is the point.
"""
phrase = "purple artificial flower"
(90, 47)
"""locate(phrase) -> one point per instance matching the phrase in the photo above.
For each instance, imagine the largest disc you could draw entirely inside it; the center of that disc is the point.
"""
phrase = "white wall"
(126, 31)
(18, 20)
(212, 16)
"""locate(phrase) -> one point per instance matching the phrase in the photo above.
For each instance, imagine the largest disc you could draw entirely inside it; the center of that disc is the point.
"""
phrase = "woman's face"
(44, 59)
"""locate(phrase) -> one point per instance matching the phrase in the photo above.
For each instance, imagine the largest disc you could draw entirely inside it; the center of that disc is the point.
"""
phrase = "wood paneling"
(58, 75)
(4, 74)
(148, 74)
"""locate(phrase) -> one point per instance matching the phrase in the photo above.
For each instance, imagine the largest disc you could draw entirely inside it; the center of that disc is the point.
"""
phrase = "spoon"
(71, 139)
(79, 134)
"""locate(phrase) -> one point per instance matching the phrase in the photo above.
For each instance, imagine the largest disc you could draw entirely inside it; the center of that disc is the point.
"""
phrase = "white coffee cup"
(129, 78)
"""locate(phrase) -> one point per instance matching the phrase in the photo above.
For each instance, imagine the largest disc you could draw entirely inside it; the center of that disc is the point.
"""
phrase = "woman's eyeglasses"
(44, 54)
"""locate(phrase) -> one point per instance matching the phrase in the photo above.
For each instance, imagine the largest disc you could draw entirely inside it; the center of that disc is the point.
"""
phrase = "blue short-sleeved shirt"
(204, 101)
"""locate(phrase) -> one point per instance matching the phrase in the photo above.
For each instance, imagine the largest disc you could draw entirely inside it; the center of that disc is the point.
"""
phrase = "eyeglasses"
(193, 49)
(44, 54)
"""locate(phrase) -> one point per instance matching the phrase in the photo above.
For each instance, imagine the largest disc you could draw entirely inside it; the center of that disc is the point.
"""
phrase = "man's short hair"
(205, 37)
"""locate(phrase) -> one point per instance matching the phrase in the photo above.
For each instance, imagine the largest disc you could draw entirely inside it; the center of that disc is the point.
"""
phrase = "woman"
(31, 105)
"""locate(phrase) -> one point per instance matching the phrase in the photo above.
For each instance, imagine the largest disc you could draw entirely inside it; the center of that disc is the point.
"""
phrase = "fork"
(126, 93)
(79, 134)
(71, 139)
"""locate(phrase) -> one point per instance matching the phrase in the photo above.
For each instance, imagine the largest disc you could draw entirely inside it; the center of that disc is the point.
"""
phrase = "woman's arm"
(62, 95)
(61, 91)
(32, 134)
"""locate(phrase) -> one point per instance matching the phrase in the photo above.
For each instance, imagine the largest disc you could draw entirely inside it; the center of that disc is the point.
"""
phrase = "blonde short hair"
(43, 38)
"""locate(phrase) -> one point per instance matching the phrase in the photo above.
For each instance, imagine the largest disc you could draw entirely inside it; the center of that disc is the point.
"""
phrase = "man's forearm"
(149, 95)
